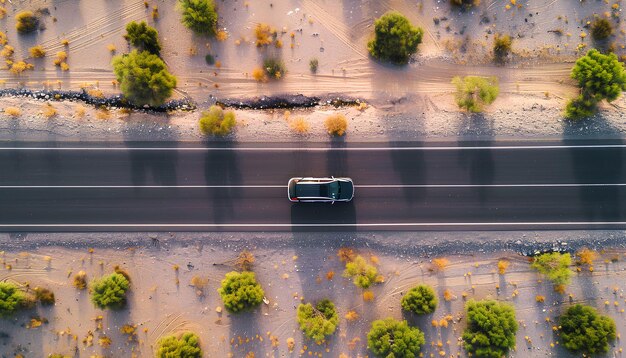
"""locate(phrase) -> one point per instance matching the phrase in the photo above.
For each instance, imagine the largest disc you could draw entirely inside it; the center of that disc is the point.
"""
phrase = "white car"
(323, 190)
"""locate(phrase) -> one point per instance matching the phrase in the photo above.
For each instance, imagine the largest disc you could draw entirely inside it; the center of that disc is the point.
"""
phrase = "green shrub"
(491, 328)
(465, 3)
(26, 22)
(240, 291)
(582, 329)
(110, 291)
(318, 321)
(555, 266)
(362, 273)
(200, 16)
(600, 76)
(216, 121)
(11, 299)
(601, 29)
(420, 300)
(580, 107)
(187, 346)
(58, 355)
(209, 59)
(144, 78)
(143, 37)
(390, 338)
(274, 67)
(501, 47)
(395, 38)
(473, 92)
(313, 64)
(45, 296)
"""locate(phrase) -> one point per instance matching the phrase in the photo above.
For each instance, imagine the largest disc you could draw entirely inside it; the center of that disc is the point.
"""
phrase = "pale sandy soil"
(290, 267)
(411, 101)
(416, 117)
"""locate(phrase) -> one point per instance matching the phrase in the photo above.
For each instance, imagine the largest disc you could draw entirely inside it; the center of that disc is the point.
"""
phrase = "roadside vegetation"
(217, 122)
(110, 291)
(395, 38)
(12, 298)
(318, 320)
(143, 37)
(26, 22)
(241, 292)
(187, 345)
(392, 338)
(143, 78)
(336, 124)
(502, 45)
(584, 330)
(420, 300)
(200, 16)
(600, 77)
(362, 273)
(555, 267)
(473, 93)
(491, 328)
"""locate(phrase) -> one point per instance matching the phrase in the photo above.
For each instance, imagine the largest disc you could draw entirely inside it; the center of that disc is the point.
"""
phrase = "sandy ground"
(414, 118)
(408, 103)
(292, 267)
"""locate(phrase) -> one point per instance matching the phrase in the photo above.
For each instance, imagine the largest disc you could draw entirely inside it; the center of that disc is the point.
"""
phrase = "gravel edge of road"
(433, 243)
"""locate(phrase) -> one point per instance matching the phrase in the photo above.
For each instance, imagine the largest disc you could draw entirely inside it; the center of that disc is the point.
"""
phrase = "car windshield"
(333, 190)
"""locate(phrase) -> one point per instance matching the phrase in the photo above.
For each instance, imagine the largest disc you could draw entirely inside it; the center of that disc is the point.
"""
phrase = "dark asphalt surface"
(482, 202)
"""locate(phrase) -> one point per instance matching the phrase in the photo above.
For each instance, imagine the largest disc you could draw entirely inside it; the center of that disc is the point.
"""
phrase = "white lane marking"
(208, 225)
(364, 186)
(316, 149)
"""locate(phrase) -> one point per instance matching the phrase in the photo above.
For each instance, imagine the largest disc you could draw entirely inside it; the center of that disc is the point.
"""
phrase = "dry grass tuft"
(221, 35)
(586, 256)
(61, 57)
(346, 254)
(13, 111)
(103, 114)
(448, 295)
(368, 296)
(502, 266)
(49, 111)
(259, 74)
(80, 280)
(351, 316)
(3, 38)
(245, 260)
(111, 48)
(439, 264)
(264, 34)
(79, 111)
(299, 125)
(336, 124)
(95, 92)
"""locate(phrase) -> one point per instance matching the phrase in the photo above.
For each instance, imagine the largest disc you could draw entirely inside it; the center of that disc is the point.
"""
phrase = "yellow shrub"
(368, 296)
(259, 74)
(447, 295)
(20, 66)
(351, 316)
(221, 35)
(3, 38)
(502, 266)
(586, 256)
(264, 34)
(7, 51)
(65, 66)
(61, 57)
(65, 42)
(3, 12)
(111, 48)
(299, 125)
(440, 264)
(336, 124)
(13, 111)
(37, 51)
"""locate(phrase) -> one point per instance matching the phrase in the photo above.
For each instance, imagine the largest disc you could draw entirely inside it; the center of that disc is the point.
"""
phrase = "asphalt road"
(413, 186)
